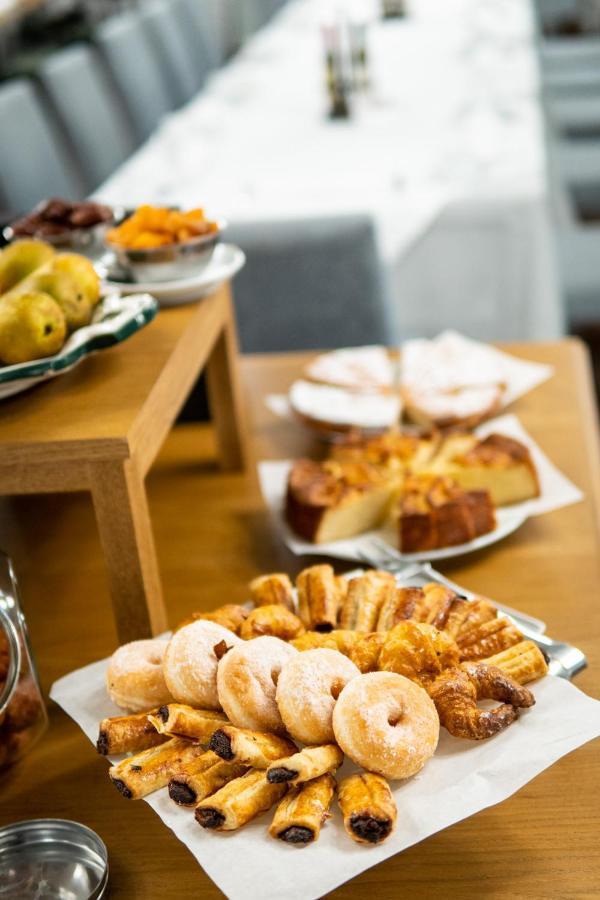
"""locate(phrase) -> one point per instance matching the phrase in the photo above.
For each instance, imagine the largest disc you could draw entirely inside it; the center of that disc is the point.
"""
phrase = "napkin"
(462, 778)
(555, 491)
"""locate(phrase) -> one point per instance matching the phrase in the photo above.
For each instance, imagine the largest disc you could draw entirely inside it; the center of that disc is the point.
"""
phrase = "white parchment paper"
(462, 778)
(556, 491)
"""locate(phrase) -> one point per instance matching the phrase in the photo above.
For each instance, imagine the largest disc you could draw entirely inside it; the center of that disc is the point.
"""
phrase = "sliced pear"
(20, 259)
(32, 326)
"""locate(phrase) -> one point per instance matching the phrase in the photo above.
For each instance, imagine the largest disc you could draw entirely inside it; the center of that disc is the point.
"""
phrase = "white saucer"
(226, 262)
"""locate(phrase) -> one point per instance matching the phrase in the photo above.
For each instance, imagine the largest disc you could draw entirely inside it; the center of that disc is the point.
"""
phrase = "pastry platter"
(244, 798)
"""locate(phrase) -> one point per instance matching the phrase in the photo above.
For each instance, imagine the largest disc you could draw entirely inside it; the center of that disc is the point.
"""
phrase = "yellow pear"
(20, 259)
(82, 271)
(31, 326)
(65, 289)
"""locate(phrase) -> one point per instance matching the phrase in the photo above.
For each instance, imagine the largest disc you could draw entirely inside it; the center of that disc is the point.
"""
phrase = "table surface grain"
(213, 534)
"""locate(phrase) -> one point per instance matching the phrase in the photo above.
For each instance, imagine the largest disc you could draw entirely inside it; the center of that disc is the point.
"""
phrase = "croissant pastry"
(229, 616)
(270, 590)
(418, 651)
(456, 691)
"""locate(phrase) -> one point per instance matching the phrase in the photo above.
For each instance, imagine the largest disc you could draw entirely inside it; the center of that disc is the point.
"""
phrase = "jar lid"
(52, 858)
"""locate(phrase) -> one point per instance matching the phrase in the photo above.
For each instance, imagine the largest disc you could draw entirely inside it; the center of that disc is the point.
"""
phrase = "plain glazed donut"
(134, 678)
(246, 682)
(387, 724)
(307, 691)
(190, 663)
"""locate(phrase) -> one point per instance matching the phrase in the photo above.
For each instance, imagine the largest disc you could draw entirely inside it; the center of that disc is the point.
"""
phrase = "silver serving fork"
(564, 660)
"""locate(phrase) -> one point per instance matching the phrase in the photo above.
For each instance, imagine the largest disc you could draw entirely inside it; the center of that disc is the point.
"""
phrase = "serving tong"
(564, 660)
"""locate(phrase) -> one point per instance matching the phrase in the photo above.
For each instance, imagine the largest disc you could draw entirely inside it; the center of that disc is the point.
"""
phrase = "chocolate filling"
(324, 627)
(122, 788)
(221, 745)
(182, 793)
(209, 818)
(370, 829)
(102, 743)
(276, 776)
(296, 834)
(163, 714)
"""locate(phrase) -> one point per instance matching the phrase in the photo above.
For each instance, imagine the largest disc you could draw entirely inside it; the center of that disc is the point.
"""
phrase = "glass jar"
(23, 715)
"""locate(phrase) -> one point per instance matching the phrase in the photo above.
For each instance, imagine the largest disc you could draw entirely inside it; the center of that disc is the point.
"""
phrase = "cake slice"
(434, 512)
(355, 368)
(393, 453)
(329, 501)
(499, 464)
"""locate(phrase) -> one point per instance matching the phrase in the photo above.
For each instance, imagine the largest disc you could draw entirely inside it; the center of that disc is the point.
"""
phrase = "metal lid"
(53, 859)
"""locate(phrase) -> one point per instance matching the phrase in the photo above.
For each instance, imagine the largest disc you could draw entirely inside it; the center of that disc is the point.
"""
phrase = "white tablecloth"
(446, 152)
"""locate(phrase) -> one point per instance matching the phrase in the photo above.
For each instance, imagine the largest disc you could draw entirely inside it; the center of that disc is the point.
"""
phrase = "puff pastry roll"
(238, 802)
(309, 763)
(128, 734)
(365, 597)
(523, 663)
(139, 775)
(398, 606)
(301, 813)
(318, 598)
(229, 616)
(272, 590)
(368, 807)
(201, 778)
(179, 720)
(273, 620)
(251, 748)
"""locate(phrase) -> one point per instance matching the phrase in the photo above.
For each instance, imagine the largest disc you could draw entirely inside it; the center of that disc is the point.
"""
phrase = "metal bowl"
(88, 241)
(170, 262)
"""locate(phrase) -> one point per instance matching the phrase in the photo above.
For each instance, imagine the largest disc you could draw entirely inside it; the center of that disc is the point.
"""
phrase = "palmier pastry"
(229, 616)
(135, 679)
(190, 663)
(368, 807)
(307, 690)
(246, 680)
(272, 590)
(273, 620)
(301, 813)
(306, 765)
(364, 599)
(318, 598)
(386, 722)
(456, 691)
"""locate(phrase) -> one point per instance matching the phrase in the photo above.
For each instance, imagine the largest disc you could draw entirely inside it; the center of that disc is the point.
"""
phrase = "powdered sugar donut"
(307, 690)
(190, 663)
(246, 683)
(135, 679)
(387, 724)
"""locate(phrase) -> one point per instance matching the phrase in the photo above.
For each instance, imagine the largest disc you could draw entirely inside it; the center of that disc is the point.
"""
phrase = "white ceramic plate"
(227, 260)
(115, 319)
(273, 481)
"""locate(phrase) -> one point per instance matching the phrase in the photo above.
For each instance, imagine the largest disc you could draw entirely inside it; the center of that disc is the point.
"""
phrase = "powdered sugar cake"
(359, 369)
(334, 409)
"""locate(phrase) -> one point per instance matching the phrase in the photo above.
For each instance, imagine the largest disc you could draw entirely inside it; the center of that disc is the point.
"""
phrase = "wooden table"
(213, 534)
(99, 428)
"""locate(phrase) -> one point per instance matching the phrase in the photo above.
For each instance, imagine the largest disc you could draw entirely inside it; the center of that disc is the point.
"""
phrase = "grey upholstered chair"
(136, 70)
(578, 255)
(199, 23)
(89, 110)
(171, 49)
(34, 162)
(309, 284)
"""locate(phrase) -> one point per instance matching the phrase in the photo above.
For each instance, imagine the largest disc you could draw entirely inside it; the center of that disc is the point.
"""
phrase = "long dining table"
(445, 151)
(213, 535)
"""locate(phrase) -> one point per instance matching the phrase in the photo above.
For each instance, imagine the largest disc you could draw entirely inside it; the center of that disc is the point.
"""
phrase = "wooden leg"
(123, 518)
(225, 396)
